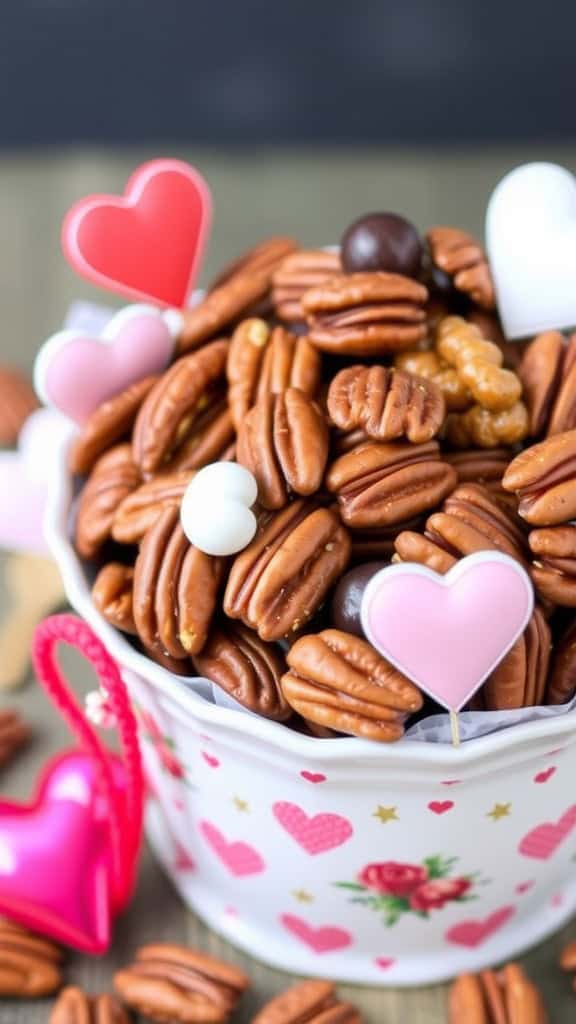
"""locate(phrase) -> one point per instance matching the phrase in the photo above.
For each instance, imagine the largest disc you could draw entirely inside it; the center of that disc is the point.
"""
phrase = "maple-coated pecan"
(460, 256)
(175, 589)
(486, 429)
(340, 681)
(496, 997)
(544, 479)
(141, 508)
(297, 273)
(478, 363)
(76, 1007)
(309, 1002)
(386, 404)
(110, 423)
(561, 685)
(429, 365)
(264, 361)
(548, 375)
(112, 593)
(366, 314)
(17, 402)
(168, 983)
(268, 254)
(113, 477)
(519, 681)
(168, 416)
(386, 484)
(554, 568)
(14, 734)
(283, 441)
(247, 668)
(30, 966)
(280, 580)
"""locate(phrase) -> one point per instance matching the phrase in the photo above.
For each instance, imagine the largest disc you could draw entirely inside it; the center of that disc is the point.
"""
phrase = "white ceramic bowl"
(266, 833)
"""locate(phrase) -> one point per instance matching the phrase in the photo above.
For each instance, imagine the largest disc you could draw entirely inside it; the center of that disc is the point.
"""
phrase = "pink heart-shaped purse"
(68, 859)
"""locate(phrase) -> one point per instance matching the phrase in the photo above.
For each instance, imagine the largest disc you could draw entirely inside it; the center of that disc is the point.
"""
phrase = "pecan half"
(429, 365)
(284, 443)
(262, 361)
(544, 479)
(280, 580)
(496, 997)
(246, 667)
(175, 589)
(17, 402)
(562, 678)
(460, 256)
(112, 593)
(486, 467)
(141, 508)
(30, 966)
(541, 373)
(76, 1007)
(519, 681)
(172, 983)
(309, 1002)
(113, 477)
(554, 569)
(265, 255)
(386, 403)
(340, 681)
(168, 415)
(297, 273)
(386, 484)
(110, 423)
(14, 734)
(367, 314)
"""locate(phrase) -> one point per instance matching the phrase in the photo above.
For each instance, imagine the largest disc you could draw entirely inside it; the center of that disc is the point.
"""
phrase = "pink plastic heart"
(448, 633)
(76, 373)
(148, 243)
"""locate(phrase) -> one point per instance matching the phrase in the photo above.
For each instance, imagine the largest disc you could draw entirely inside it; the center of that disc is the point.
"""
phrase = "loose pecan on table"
(114, 476)
(386, 404)
(283, 441)
(367, 314)
(340, 681)
(544, 479)
(112, 593)
(110, 423)
(30, 966)
(17, 402)
(14, 734)
(554, 568)
(141, 508)
(548, 375)
(496, 997)
(76, 1007)
(297, 273)
(387, 484)
(309, 1002)
(168, 983)
(280, 580)
(460, 256)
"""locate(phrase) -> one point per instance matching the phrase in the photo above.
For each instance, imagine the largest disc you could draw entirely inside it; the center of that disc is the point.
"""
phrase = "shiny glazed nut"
(247, 668)
(280, 580)
(427, 364)
(266, 255)
(110, 423)
(112, 593)
(223, 307)
(519, 681)
(386, 484)
(544, 480)
(563, 414)
(113, 477)
(210, 438)
(340, 681)
(478, 426)
(140, 509)
(541, 372)
(76, 1007)
(478, 363)
(367, 314)
(503, 997)
(387, 404)
(459, 255)
(14, 734)
(30, 966)
(554, 569)
(169, 412)
(283, 441)
(309, 1002)
(297, 273)
(169, 983)
(175, 589)
(17, 402)
(562, 678)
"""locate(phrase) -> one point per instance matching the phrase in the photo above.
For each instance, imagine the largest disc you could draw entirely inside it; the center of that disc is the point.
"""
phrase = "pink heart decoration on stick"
(75, 373)
(448, 633)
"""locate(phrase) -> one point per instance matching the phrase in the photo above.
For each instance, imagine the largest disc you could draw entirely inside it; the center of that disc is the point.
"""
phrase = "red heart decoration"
(148, 243)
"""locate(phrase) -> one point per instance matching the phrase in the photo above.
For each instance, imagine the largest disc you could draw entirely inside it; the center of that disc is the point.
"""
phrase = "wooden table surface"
(313, 196)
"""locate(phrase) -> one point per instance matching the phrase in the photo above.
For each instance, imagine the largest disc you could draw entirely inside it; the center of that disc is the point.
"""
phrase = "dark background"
(296, 71)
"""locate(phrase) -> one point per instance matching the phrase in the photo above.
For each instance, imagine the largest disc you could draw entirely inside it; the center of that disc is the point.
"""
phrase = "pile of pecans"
(384, 417)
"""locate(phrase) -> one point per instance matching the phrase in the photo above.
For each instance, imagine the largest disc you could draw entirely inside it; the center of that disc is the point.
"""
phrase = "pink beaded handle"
(125, 819)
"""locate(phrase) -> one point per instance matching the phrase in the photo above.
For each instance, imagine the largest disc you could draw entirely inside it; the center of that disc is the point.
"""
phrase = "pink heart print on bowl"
(473, 933)
(148, 243)
(76, 373)
(325, 939)
(449, 632)
(316, 834)
(239, 858)
(543, 841)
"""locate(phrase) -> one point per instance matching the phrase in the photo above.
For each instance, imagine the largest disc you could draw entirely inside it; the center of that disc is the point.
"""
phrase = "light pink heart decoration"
(473, 933)
(327, 939)
(239, 858)
(448, 633)
(75, 373)
(318, 834)
(543, 841)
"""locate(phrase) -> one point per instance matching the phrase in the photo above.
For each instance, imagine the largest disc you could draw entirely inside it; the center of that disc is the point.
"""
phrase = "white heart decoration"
(531, 244)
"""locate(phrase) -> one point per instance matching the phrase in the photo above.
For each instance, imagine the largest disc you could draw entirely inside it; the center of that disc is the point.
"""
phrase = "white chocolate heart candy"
(531, 243)
(216, 511)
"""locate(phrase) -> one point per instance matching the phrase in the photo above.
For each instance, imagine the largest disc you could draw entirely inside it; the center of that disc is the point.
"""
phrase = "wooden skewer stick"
(455, 728)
